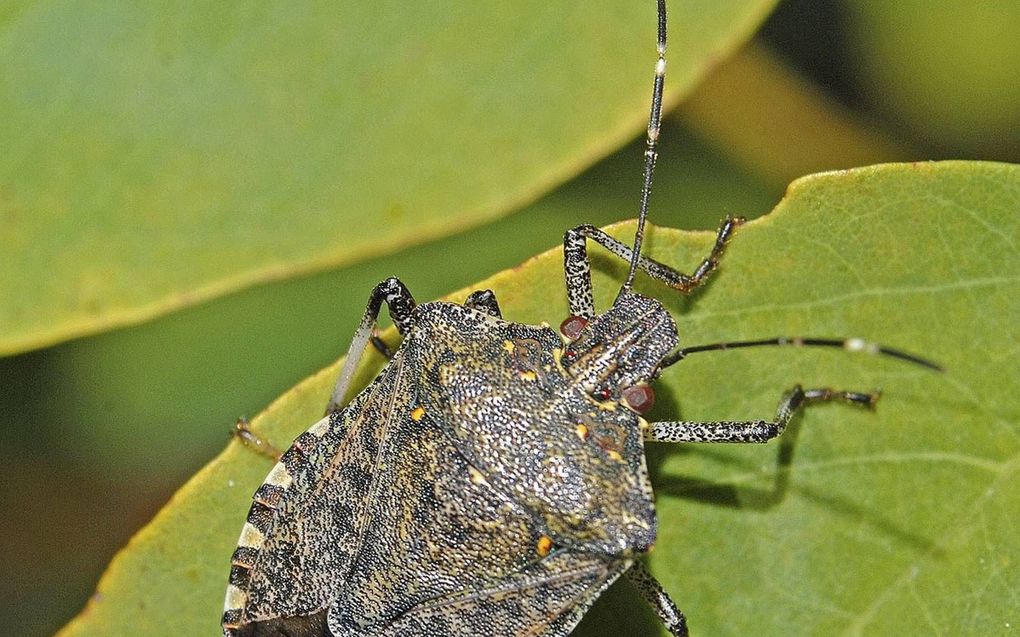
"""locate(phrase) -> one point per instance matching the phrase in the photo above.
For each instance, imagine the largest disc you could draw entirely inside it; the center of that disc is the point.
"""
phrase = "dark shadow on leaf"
(620, 611)
(757, 499)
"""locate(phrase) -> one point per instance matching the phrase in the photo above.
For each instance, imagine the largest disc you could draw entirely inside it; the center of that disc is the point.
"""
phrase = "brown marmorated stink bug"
(491, 480)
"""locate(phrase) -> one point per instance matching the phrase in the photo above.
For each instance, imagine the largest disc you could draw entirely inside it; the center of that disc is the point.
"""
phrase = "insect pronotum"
(491, 480)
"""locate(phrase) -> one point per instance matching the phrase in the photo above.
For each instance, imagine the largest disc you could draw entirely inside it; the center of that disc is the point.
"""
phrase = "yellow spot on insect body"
(417, 414)
(544, 545)
(582, 431)
(529, 375)
(508, 346)
(643, 424)
(614, 455)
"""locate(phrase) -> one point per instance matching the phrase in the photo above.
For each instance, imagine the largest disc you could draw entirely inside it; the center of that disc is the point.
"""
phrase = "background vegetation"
(194, 208)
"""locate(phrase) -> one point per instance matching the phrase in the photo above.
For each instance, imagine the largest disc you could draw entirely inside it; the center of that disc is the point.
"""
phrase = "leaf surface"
(163, 154)
(892, 520)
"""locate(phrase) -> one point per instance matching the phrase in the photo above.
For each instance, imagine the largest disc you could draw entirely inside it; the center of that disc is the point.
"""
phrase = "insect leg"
(658, 599)
(252, 440)
(577, 269)
(484, 301)
(400, 304)
(380, 345)
(753, 430)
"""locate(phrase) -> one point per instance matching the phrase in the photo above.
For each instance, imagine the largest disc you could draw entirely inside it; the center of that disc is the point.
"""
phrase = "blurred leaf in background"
(161, 155)
(156, 157)
(945, 71)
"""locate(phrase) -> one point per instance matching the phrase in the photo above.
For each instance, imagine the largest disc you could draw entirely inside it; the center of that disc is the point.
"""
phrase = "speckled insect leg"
(253, 441)
(577, 268)
(380, 345)
(658, 599)
(484, 301)
(400, 304)
(759, 431)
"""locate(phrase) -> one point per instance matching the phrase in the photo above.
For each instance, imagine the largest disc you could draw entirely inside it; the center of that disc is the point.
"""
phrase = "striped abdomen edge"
(260, 521)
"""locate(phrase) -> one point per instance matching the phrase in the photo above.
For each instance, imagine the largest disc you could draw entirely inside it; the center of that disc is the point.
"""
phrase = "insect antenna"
(651, 154)
(848, 344)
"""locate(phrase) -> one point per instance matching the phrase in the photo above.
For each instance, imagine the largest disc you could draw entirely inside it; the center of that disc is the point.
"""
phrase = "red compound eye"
(640, 398)
(572, 326)
(569, 355)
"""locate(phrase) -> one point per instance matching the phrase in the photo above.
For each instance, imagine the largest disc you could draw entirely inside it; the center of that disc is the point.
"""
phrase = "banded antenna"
(651, 153)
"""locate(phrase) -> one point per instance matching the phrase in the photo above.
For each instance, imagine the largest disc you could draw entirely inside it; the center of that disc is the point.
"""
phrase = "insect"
(491, 480)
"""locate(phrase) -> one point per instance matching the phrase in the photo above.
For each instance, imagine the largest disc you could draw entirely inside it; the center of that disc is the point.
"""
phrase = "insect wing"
(303, 529)
(545, 600)
(448, 548)
(435, 528)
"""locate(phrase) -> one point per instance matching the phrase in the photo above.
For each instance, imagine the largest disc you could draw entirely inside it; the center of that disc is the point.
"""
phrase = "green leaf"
(894, 520)
(158, 155)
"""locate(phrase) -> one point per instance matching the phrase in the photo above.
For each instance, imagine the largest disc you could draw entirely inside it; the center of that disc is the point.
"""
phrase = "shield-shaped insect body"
(442, 502)
(491, 480)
